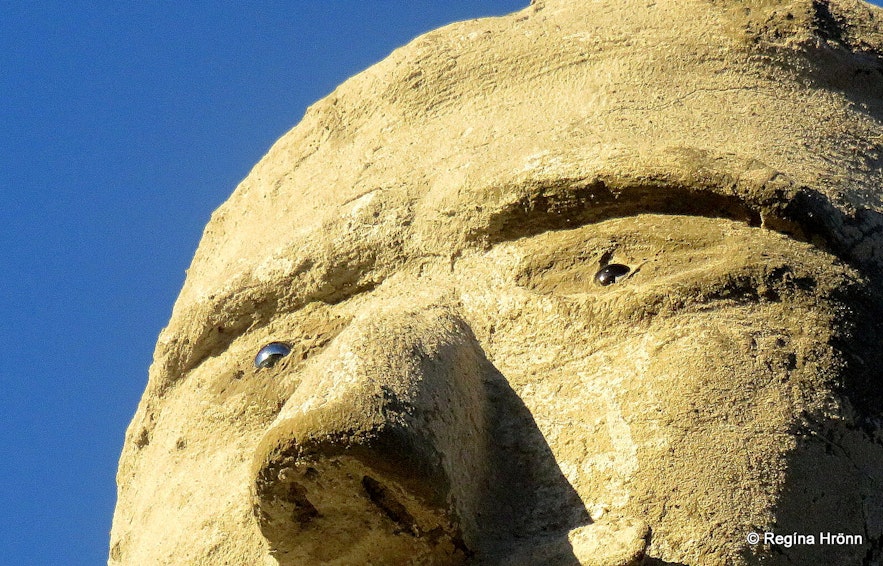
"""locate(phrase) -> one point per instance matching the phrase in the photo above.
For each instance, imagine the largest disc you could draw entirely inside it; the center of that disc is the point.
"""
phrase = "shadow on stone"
(833, 488)
(529, 507)
(658, 562)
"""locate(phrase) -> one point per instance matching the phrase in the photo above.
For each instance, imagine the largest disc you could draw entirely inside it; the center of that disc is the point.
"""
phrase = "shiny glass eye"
(611, 273)
(270, 354)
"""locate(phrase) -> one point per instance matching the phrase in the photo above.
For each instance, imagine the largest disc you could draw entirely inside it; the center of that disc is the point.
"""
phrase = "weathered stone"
(459, 389)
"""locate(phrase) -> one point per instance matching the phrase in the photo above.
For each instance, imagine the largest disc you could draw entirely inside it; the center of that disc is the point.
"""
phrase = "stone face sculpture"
(459, 389)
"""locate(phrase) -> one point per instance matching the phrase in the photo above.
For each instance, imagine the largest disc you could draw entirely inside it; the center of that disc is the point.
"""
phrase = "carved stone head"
(597, 282)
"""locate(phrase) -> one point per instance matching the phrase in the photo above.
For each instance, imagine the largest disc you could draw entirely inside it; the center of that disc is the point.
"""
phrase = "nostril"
(390, 506)
(270, 354)
(304, 511)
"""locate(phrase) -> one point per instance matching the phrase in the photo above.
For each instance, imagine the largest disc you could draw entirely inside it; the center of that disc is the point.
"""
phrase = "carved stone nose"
(378, 457)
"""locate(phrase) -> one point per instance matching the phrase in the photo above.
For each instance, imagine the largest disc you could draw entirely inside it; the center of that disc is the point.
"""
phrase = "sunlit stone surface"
(459, 389)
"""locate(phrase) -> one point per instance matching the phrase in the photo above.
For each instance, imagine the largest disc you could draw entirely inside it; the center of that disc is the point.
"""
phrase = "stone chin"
(458, 389)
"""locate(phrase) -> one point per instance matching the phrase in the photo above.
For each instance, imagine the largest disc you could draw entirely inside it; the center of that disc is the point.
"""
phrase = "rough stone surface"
(460, 390)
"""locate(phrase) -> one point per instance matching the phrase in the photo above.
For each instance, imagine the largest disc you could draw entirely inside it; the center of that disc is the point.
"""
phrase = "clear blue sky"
(123, 126)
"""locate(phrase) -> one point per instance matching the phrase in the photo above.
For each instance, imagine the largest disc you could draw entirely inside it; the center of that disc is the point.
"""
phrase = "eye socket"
(611, 273)
(270, 354)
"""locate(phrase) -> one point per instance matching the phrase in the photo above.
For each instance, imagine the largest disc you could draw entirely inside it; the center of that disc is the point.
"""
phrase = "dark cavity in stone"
(392, 508)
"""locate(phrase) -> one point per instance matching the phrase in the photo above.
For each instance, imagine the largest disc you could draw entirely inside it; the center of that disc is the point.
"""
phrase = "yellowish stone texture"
(460, 390)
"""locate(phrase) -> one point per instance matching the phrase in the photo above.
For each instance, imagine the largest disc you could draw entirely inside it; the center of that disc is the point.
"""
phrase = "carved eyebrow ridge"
(556, 206)
(802, 213)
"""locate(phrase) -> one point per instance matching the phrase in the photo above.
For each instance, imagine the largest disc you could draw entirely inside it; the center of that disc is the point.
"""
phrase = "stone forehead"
(562, 114)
